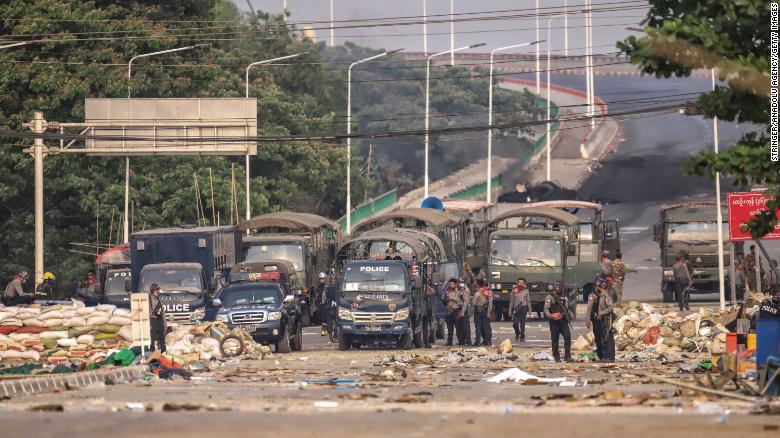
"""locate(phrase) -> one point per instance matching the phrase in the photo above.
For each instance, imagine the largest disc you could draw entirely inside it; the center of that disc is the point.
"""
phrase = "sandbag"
(10, 354)
(30, 355)
(77, 304)
(77, 353)
(53, 322)
(31, 329)
(97, 320)
(82, 311)
(119, 320)
(67, 342)
(53, 335)
(33, 322)
(16, 346)
(108, 308)
(50, 315)
(11, 309)
(54, 308)
(19, 337)
(49, 343)
(85, 339)
(126, 333)
(126, 313)
(68, 313)
(75, 321)
(6, 329)
(75, 332)
(4, 315)
(3, 346)
(30, 342)
(13, 321)
(109, 328)
(104, 336)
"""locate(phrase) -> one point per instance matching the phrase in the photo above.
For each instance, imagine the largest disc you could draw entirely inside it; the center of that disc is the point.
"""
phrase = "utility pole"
(719, 216)
(538, 72)
(452, 32)
(332, 36)
(425, 27)
(566, 28)
(39, 126)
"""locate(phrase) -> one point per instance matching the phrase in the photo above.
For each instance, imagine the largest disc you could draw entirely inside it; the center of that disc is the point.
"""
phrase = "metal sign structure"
(201, 126)
(139, 312)
(743, 206)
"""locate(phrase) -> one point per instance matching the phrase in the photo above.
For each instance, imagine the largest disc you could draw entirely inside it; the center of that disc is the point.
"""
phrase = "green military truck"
(306, 240)
(691, 228)
(593, 234)
(534, 243)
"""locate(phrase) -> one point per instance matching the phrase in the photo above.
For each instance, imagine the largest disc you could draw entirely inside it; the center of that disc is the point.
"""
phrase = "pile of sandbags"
(61, 333)
(203, 342)
(640, 325)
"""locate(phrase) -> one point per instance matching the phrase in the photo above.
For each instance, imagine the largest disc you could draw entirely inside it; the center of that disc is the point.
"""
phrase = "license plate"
(504, 291)
(249, 328)
(373, 328)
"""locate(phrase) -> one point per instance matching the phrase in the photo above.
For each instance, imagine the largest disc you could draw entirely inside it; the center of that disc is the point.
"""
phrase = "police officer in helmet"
(157, 318)
(556, 309)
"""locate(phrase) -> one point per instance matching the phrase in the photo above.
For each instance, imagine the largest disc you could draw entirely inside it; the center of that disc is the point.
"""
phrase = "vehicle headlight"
(401, 315)
(345, 314)
(198, 314)
(274, 316)
(549, 287)
(668, 272)
(222, 318)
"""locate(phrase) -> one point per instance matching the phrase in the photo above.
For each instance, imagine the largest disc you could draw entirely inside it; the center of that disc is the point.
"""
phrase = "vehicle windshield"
(115, 283)
(684, 231)
(374, 278)
(525, 252)
(246, 295)
(291, 252)
(172, 280)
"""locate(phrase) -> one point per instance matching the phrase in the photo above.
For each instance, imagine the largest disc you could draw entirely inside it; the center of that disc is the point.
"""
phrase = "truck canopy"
(421, 218)
(289, 222)
(552, 214)
(699, 211)
(116, 256)
(422, 245)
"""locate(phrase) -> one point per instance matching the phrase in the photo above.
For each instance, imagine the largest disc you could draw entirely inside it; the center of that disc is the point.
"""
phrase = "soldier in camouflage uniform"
(618, 270)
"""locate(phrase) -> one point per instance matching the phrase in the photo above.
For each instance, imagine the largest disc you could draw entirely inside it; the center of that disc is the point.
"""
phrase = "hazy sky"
(608, 27)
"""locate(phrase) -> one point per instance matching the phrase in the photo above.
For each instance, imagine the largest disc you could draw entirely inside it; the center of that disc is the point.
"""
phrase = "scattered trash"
(46, 408)
(543, 355)
(505, 347)
(412, 397)
(518, 375)
(326, 404)
(357, 396)
(137, 407)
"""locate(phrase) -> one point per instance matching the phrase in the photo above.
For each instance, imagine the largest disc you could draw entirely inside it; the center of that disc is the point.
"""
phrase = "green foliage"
(730, 35)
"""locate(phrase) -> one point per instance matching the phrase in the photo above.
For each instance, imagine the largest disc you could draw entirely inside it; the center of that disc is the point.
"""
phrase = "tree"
(731, 36)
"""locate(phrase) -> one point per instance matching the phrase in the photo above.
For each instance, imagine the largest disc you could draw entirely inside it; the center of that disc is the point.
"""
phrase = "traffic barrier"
(28, 385)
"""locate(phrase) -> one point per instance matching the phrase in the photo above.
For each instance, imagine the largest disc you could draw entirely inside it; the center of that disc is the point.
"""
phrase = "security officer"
(519, 305)
(618, 270)
(46, 288)
(157, 318)
(14, 292)
(429, 318)
(770, 308)
(682, 282)
(604, 314)
(331, 310)
(320, 294)
(556, 309)
(483, 309)
(454, 309)
(593, 322)
(605, 261)
(464, 338)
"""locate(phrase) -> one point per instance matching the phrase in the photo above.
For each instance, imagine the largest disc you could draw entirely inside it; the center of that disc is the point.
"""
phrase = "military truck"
(537, 244)
(380, 278)
(308, 241)
(188, 263)
(691, 228)
(593, 234)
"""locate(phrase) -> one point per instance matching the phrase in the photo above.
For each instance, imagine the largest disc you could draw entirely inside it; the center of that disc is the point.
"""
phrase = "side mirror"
(128, 285)
(216, 302)
(289, 299)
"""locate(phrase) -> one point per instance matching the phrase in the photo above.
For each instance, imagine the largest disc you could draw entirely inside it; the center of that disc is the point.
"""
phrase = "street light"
(349, 132)
(719, 216)
(425, 27)
(127, 159)
(428, 101)
(549, 124)
(490, 113)
(267, 61)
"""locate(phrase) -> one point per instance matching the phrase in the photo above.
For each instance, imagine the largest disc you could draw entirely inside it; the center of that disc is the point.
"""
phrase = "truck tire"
(668, 293)
(405, 343)
(231, 346)
(296, 343)
(344, 343)
(283, 346)
(418, 340)
(440, 329)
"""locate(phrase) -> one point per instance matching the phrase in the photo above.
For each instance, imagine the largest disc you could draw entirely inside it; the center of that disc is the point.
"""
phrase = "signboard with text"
(744, 206)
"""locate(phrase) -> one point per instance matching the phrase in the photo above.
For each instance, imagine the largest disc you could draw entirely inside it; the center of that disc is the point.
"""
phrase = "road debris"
(518, 375)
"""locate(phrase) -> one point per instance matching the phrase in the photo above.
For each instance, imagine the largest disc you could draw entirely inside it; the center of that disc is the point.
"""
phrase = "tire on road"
(405, 343)
(440, 329)
(296, 343)
(344, 342)
(231, 346)
(283, 345)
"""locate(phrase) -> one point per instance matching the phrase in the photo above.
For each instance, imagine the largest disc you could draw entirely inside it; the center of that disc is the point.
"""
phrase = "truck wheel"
(440, 328)
(405, 343)
(418, 340)
(231, 346)
(283, 346)
(296, 343)
(344, 343)
(668, 293)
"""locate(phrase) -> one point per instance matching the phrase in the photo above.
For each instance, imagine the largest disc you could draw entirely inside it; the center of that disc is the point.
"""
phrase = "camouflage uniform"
(618, 270)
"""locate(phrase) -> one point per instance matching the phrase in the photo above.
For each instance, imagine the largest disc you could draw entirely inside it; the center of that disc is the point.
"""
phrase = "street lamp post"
(127, 159)
(425, 27)
(719, 216)
(549, 104)
(538, 68)
(490, 113)
(332, 35)
(349, 132)
(428, 102)
(452, 32)
(246, 94)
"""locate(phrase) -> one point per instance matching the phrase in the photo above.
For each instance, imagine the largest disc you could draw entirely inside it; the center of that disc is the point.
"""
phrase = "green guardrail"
(481, 188)
(370, 207)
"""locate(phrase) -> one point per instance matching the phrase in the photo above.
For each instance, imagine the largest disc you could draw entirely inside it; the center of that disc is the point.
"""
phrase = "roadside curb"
(38, 384)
